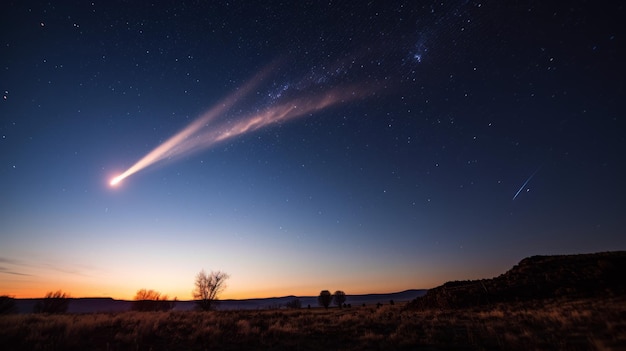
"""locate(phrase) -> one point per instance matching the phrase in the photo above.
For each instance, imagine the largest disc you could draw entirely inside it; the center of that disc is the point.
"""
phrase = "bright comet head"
(116, 180)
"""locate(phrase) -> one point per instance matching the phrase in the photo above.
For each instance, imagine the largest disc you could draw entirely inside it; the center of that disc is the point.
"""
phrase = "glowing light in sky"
(116, 180)
(167, 148)
(526, 182)
(192, 138)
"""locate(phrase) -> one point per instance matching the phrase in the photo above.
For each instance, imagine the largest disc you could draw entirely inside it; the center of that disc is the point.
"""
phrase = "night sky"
(367, 147)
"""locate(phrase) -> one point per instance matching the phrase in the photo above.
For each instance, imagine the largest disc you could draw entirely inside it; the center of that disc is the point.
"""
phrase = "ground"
(548, 324)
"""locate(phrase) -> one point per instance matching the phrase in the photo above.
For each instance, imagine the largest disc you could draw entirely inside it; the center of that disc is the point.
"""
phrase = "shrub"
(295, 304)
(325, 298)
(339, 298)
(53, 302)
(7, 305)
(150, 300)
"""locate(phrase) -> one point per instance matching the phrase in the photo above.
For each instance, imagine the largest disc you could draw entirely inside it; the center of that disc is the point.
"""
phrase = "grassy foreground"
(580, 324)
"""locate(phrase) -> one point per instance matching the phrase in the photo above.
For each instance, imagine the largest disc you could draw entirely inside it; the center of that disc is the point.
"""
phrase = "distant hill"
(354, 300)
(536, 277)
(80, 305)
(93, 305)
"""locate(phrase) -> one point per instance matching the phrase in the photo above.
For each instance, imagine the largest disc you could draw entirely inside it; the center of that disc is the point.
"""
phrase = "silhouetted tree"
(7, 305)
(295, 304)
(325, 298)
(53, 302)
(339, 298)
(150, 300)
(207, 288)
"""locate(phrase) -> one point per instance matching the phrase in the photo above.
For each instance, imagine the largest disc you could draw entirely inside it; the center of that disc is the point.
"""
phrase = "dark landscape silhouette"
(538, 277)
(107, 304)
(566, 302)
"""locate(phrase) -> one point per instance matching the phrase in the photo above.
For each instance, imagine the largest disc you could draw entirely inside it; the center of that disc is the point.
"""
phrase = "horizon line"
(228, 299)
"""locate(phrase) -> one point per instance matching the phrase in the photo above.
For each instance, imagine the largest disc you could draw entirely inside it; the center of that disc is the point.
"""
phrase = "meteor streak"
(191, 138)
(526, 182)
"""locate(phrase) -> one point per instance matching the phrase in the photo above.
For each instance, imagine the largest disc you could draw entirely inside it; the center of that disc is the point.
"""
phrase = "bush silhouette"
(150, 300)
(325, 298)
(339, 298)
(53, 302)
(295, 304)
(7, 305)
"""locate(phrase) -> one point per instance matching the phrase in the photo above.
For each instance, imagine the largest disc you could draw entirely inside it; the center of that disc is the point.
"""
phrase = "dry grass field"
(552, 324)
(568, 302)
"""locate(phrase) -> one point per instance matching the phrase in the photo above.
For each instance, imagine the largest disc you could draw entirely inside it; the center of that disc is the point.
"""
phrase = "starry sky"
(367, 147)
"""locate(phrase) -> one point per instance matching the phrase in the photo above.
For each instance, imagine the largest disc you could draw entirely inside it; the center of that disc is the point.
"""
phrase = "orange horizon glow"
(128, 295)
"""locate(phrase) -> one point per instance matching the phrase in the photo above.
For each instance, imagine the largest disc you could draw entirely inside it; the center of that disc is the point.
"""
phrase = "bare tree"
(339, 298)
(208, 287)
(150, 300)
(325, 298)
(53, 302)
(143, 294)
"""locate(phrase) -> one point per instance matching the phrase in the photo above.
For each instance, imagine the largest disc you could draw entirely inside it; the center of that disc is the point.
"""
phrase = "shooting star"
(526, 182)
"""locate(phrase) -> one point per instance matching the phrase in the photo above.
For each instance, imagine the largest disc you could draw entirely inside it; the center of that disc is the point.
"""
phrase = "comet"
(116, 180)
(526, 182)
(205, 132)
(165, 149)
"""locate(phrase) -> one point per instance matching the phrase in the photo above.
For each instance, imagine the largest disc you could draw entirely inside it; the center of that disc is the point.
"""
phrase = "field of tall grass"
(580, 324)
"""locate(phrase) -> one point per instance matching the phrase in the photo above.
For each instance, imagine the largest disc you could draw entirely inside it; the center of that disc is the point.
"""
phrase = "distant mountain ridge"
(537, 277)
(107, 304)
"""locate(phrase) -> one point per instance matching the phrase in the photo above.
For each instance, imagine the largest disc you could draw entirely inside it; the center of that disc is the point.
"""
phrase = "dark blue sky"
(460, 137)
